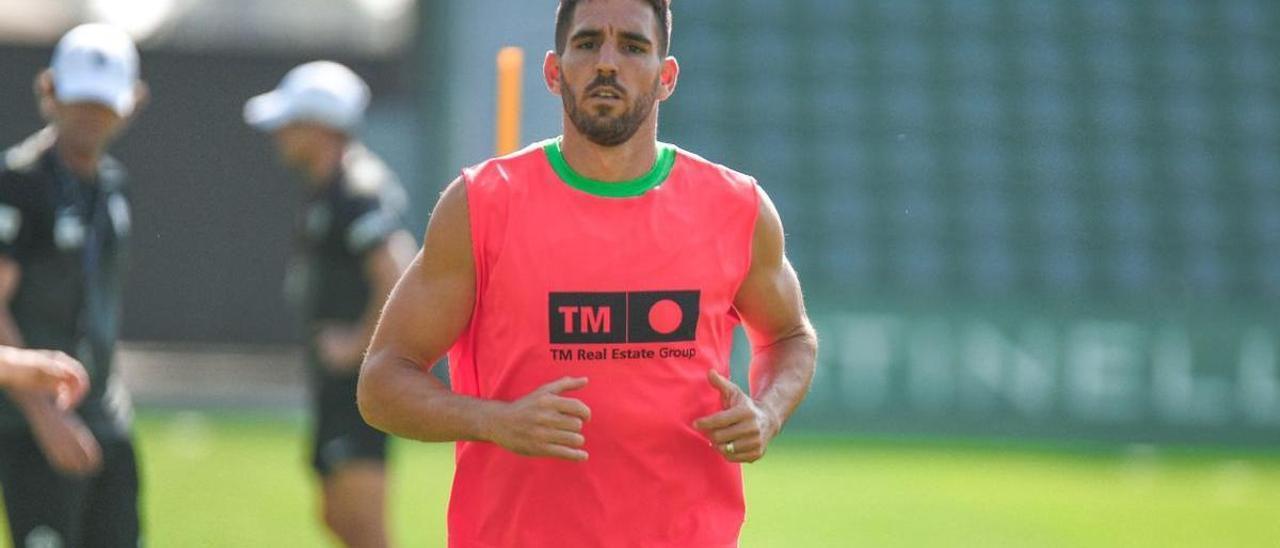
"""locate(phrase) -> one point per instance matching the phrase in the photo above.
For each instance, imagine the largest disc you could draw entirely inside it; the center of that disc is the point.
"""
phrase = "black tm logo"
(636, 317)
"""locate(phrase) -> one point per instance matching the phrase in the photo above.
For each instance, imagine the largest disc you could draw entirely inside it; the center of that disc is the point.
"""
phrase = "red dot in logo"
(665, 316)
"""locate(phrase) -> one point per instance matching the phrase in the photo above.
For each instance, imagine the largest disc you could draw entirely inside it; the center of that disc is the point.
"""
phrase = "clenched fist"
(543, 423)
(743, 430)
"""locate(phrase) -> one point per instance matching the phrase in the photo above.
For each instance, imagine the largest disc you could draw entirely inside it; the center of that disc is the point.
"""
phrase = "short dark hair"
(564, 19)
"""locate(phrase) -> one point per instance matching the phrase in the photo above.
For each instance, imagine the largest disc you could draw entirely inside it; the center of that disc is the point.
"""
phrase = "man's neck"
(82, 162)
(625, 162)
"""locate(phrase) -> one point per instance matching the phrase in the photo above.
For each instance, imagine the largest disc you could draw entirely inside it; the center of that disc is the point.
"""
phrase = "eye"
(587, 44)
(635, 49)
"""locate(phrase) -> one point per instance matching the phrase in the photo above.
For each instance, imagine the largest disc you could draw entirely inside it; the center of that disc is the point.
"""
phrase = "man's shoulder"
(502, 170)
(704, 169)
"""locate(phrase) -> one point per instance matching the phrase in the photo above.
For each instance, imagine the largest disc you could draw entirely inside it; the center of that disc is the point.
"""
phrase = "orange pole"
(510, 65)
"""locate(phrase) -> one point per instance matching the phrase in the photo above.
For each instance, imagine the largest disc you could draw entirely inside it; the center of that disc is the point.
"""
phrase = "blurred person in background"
(70, 475)
(586, 289)
(351, 249)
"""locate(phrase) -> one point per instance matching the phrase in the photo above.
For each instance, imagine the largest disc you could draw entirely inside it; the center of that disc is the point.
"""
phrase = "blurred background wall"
(1011, 217)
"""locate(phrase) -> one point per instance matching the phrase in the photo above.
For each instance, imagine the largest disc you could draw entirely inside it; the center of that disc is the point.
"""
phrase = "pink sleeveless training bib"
(629, 284)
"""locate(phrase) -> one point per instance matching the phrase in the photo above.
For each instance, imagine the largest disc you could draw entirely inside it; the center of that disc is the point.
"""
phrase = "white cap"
(323, 92)
(96, 63)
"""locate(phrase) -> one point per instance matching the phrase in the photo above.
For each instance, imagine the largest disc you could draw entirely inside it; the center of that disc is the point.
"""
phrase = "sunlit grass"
(242, 480)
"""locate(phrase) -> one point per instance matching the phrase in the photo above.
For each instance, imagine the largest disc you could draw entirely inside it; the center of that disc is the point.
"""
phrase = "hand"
(65, 441)
(743, 430)
(341, 347)
(544, 423)
(45, 372)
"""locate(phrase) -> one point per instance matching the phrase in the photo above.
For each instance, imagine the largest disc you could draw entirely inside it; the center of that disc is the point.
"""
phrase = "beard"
(600, 127)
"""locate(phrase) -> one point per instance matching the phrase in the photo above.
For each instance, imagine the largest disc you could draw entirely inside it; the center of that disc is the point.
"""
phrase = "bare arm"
(784, 344)
(426, 312)
(784, 349)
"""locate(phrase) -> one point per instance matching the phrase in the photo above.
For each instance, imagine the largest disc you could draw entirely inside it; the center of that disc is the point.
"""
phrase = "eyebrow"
(636, 37)
(597, 34)
(586, 33)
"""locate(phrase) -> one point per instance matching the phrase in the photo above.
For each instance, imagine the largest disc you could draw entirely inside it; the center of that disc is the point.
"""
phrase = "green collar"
(623, 189)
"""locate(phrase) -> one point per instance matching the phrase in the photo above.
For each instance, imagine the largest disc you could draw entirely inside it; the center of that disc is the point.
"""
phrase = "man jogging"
(586, 290)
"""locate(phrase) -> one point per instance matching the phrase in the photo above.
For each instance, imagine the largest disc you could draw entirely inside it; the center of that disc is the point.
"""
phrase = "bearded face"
(605, 112)
(611, 68)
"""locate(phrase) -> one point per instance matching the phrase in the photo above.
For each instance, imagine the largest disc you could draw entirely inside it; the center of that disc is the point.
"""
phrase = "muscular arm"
(784, 349)
(426, 312)
(784, 344)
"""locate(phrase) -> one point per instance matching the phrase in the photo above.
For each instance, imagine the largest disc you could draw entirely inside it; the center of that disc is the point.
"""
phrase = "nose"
(607, 60)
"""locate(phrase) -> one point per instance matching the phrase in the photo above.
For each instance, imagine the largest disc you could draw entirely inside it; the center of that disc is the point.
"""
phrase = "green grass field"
(240, 480)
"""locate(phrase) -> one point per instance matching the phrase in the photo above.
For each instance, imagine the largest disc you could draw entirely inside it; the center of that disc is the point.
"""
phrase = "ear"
(551, 72)
(667, 78)
(42, 87)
